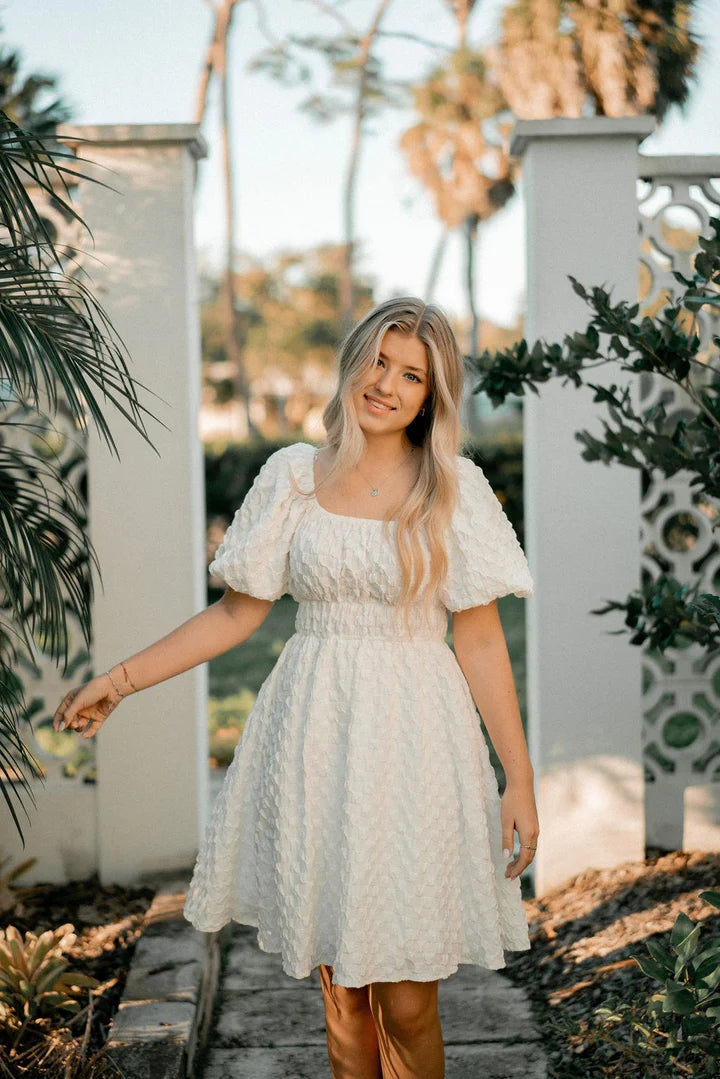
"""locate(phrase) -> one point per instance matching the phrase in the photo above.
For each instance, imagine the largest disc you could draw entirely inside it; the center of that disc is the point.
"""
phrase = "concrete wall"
(147, 810)
(147, 509)
(581, 519)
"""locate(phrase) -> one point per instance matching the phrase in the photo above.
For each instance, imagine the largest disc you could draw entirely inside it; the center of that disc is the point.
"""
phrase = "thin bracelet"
(127, 678)
(112, 683)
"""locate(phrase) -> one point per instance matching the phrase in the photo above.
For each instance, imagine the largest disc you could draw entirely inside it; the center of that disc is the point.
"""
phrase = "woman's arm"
(482, 653)
(221, 626)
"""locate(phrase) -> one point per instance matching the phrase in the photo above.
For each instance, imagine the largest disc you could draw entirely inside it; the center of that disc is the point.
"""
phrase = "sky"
(139, 61)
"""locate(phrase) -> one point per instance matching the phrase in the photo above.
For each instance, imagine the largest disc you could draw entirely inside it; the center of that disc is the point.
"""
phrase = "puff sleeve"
(485, 560)
(254, 554)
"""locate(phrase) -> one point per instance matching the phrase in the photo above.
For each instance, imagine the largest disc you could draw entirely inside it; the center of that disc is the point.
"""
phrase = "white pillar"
(147, 509)
(584, 686)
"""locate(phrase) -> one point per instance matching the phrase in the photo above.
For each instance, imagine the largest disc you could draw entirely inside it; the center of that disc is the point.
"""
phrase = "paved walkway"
(269, 1026)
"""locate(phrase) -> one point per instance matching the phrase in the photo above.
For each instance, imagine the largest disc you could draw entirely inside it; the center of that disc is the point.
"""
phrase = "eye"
(379, 363)
(412, 376)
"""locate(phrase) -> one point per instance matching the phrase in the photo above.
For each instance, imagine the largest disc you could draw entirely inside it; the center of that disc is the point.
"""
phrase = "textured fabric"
(486, 560)
(359, 824)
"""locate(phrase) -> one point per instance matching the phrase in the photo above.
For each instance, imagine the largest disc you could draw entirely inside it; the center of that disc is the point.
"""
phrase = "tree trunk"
(208, 67)
(217, 63)
(436, 266)
(347, 297)
(471, 234)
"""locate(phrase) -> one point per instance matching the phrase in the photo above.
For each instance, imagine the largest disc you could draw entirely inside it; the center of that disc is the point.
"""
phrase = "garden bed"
(583, 935)
(108, 921)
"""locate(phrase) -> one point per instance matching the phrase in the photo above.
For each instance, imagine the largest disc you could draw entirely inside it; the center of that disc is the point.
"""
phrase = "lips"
(379, 405)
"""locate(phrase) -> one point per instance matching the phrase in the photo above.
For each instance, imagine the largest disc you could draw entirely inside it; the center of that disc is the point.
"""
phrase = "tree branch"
(331, 11)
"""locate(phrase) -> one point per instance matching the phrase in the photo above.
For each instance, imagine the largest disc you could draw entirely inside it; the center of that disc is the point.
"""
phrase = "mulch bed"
(108, 921)
(583, 934)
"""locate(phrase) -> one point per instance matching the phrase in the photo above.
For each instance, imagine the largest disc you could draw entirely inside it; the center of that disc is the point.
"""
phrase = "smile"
(378, 406)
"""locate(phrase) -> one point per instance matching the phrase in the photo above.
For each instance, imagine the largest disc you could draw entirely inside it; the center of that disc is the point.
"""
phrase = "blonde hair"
(437, 434)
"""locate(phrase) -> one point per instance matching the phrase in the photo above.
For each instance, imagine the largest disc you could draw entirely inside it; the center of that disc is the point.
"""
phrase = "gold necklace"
(375, 491)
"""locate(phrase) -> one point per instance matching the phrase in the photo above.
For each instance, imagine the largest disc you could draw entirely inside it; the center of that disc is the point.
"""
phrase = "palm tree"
(561, 57)
(21, 96)
(58, 355)
(468, 174)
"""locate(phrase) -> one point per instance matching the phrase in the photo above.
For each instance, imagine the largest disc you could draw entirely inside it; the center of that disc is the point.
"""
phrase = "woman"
(359, 826)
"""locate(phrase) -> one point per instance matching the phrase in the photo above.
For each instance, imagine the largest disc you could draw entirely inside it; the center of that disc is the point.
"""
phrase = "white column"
(147, 508)
(584, 686)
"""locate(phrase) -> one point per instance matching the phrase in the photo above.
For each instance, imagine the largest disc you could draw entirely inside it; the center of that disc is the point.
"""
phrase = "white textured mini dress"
(359, 822)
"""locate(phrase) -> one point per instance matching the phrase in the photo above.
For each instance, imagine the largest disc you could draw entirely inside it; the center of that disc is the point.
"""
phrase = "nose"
(384, 380)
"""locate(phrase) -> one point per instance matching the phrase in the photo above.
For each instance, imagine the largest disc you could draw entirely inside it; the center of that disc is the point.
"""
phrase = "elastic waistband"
(369, 618)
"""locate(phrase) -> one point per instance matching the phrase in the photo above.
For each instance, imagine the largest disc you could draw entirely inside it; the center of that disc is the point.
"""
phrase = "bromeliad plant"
(665, 612)
(35, 982)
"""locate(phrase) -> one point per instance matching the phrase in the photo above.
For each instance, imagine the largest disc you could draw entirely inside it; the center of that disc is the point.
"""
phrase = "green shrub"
(226, 720)
(230, 471)
(681, 1020)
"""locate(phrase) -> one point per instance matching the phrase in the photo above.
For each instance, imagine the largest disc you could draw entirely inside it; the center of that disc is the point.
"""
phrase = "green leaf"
(678, 999)
(709, 981)
(711, 896)
(661, 955)
(82, 981)
(697, 1024)
(650, 967)
(705, 966)
(578, 288)
(688, 945)
(51, 976)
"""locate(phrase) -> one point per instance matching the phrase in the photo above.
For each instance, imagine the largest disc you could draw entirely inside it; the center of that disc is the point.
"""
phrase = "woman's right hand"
(213, 631)
(86, 708)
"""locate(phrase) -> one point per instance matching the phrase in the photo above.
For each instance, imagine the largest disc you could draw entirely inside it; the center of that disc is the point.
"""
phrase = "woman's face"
(396, 388)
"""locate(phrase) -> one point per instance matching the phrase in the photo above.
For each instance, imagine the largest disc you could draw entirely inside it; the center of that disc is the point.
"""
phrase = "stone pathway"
(269, 1026)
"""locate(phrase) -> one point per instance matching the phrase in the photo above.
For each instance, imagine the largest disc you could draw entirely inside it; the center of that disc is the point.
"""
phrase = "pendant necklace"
(375, 491)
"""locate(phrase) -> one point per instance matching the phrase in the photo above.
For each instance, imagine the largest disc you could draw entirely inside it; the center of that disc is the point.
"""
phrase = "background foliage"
(664, 612)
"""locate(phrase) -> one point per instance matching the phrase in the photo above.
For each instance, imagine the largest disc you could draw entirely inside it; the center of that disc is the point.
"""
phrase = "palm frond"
(55, 339)
(45, 556)
(48, 319)
(17, 764)
(58, 352)
(25, 158)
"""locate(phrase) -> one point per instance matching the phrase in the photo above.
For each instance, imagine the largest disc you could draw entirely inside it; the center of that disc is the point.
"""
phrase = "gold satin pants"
(386, 1030)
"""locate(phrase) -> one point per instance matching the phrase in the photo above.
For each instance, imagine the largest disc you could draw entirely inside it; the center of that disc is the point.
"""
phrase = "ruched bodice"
(358, 825)
(368, 619)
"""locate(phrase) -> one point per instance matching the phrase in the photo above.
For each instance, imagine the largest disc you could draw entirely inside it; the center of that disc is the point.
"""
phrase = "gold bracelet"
(114, 686)
(127, 678)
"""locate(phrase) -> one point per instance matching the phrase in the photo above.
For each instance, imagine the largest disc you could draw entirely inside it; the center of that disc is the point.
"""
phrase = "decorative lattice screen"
(682, 688)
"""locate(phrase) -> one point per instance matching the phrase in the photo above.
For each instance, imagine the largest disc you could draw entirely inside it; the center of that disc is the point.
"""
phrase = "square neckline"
(331, 513)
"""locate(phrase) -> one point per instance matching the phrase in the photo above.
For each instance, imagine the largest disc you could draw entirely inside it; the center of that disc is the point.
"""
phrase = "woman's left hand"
(518, 813)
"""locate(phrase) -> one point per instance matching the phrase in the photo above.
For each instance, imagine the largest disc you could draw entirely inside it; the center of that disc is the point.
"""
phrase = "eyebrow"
(407, 366)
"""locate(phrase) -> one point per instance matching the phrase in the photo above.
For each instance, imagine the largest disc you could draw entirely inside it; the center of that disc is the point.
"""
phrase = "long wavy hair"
(433, 497)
